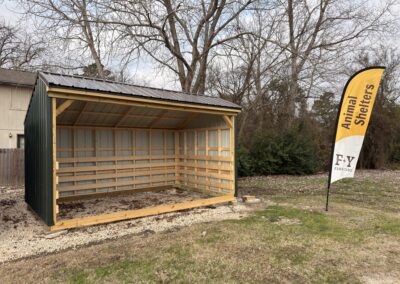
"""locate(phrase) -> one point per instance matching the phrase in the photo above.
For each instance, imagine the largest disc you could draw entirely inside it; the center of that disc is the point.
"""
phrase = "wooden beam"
(219, 185)
(125, 115)
(113, 167)
(113, 193)
(120, 158)
(208, 175)
(111, 99)
(114, 175)
(111, 126)
(188, 119)
(232, 152)
(176, 154)
(64, 106)
(204, 191)
(156, 119)
(141, 100)
(129, 115)
(113, 184)
(80, 113)
(228, 121)
(124, 215)
(127, 128)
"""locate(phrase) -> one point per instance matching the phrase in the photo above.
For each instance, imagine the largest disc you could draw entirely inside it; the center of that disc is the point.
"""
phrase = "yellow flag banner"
(354, 114)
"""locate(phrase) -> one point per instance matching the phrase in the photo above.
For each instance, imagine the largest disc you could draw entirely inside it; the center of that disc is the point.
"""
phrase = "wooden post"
(232, 152)
(115, 154)
(196, 161)
(94, 134)
(206, 161)
(177, 162)
(185, 153)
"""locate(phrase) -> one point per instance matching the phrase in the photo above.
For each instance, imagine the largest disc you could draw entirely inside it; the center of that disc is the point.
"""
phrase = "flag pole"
(327, 198)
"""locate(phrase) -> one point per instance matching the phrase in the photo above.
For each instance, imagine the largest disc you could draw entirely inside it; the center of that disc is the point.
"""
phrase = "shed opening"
(176, 153)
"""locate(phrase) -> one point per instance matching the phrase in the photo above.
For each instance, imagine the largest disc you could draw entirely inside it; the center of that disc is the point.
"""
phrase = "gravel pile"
(22, 234)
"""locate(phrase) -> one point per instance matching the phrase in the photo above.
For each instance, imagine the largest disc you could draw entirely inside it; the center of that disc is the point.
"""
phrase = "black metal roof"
(99, 85)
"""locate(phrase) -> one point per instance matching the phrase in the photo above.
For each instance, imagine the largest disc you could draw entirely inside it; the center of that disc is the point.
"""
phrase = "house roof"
(17, 78)
(117, 88)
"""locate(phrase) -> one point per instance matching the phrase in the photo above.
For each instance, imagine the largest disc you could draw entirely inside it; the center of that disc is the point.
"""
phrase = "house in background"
(15, 93)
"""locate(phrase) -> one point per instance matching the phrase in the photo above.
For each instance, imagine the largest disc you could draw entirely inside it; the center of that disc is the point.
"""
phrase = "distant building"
(15, 93)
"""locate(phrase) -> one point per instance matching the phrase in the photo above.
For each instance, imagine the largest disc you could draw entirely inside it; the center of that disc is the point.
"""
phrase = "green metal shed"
(87, 138)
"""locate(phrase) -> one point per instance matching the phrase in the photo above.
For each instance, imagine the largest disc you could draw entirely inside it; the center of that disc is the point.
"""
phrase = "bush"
(244, 162)
(297, 153)
(263, 155)
(291, 152)
(395, 154)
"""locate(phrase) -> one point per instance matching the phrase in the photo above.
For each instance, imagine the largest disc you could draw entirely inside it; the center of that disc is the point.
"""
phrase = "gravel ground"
(23, 235)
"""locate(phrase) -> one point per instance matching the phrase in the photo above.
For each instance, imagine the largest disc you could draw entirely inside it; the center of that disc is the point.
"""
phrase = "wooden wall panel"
(206, 160)
(106, 160)
(97, 160)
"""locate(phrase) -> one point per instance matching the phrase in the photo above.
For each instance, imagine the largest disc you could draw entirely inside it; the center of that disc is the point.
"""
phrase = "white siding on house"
(14, 102)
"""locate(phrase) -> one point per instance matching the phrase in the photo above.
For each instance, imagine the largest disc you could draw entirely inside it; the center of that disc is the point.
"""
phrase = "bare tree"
(246, 67)
(318, 28)
(71, 23)
(17, 49)
(180, 37)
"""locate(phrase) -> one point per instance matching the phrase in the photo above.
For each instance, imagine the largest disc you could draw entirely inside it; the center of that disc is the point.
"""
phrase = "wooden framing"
(114, 193)
(157, 118)
(188, 120)
(80, 113)
(124, 100)
(129, 214)
(64, 106)
(228, 121)
(84, 170)
(123, 117)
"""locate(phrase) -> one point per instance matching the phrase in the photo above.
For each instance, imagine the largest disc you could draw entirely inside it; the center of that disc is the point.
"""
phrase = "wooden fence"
(12, 167)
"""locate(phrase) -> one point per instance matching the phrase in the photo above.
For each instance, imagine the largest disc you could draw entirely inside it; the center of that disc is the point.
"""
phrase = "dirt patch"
(22, 234)
(105, 205)
(286, 221)
(7, 203)
(380, 279)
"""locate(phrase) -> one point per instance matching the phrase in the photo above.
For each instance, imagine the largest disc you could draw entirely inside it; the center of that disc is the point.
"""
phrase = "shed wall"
(39, 154)
(97, 160)
(206, 155)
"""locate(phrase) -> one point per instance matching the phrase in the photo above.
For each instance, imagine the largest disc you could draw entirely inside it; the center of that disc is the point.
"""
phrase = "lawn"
(288, 238)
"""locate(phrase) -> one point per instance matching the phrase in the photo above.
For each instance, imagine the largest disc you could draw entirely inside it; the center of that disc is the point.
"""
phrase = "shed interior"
(103, 149)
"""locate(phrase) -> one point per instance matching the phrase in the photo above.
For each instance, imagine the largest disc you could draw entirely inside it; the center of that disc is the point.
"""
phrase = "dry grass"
(294, 240)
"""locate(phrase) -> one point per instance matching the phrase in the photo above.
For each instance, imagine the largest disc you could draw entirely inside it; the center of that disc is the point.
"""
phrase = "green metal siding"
(39, 154)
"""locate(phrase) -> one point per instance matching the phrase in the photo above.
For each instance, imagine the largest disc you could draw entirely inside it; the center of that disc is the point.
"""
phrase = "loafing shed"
(89, 138)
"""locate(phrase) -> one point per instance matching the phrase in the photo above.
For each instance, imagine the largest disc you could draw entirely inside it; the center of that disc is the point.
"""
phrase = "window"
(20, 141)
